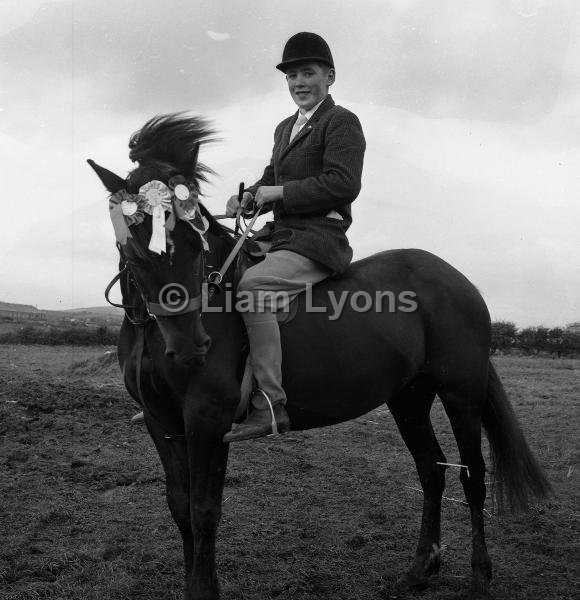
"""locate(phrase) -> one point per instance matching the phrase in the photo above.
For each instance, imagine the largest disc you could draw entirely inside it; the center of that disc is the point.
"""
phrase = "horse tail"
(516, 472)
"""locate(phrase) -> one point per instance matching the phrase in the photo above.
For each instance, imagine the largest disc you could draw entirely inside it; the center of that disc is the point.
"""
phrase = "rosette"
(129, 207)
(132, 207)
(124, 210)
(186, 206)
(182, 188)
(157, 200)
(178, 198)
(186, 194)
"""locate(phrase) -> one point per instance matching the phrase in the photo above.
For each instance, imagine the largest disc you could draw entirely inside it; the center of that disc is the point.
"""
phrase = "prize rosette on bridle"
(187, 208)
(178, 198)
(124, 210)
(157, 201)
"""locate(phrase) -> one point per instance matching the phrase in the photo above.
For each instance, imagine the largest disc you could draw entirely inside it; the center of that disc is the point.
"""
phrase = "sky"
(471, 112)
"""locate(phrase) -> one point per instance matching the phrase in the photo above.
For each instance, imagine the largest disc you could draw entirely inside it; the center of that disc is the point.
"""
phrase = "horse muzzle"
(194, 356)
(186, 342)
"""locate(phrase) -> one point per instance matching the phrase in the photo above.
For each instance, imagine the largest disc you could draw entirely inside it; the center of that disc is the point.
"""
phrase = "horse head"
(160, 228)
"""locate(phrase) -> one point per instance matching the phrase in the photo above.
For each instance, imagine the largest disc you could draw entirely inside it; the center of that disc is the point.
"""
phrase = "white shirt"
(310, 112)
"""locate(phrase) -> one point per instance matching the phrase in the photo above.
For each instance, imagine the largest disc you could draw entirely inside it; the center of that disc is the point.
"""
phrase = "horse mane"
(215, 226)
(168, 145)
(223, 237)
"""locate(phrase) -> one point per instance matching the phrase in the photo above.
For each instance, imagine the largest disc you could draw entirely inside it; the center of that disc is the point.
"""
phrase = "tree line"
(62, 336)
(506, 338)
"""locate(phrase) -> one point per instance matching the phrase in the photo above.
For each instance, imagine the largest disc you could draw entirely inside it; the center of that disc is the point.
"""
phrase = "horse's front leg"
(173, 455)
(208, 457)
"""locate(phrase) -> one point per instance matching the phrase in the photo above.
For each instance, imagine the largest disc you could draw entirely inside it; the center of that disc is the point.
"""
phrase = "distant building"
(573, 327)
(20, 312)
(91, 317)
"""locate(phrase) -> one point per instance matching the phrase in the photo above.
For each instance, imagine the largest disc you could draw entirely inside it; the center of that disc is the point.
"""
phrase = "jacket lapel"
(286, 133)
(326, 105)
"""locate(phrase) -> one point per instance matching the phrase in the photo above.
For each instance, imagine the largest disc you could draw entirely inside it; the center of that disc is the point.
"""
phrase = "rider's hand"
(233, 204)
(268, 194)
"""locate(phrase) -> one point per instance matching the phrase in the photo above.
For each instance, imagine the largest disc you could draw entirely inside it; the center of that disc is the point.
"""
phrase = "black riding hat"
(305, 46)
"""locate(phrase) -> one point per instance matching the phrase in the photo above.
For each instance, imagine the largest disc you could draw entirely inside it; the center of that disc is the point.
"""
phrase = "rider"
(313, 177)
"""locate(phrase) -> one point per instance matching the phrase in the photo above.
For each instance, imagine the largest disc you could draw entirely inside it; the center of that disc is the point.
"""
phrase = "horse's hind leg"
(464, 412)
(410, 409)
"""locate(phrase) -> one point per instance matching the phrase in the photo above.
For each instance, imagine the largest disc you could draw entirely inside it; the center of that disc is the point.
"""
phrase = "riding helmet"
(305, 46)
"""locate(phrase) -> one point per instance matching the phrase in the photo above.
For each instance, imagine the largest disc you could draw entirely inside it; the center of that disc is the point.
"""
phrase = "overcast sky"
(471, 112)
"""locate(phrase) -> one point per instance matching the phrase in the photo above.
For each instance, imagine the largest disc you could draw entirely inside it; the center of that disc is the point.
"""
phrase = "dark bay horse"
(185, 368)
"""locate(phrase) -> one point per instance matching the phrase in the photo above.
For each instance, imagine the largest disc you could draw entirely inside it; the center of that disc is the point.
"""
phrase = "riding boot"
(266, 358)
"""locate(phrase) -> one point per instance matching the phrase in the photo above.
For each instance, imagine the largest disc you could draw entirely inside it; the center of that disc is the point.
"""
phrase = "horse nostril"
(170, 353)
(206, 343)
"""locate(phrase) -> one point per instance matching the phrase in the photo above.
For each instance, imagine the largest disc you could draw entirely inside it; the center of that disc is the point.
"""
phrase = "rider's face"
(308, 83)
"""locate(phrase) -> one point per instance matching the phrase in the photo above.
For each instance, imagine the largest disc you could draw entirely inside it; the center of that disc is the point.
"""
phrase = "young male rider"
(313, 177)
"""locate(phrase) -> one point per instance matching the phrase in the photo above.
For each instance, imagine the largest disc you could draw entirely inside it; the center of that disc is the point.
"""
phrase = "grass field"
(327, 514)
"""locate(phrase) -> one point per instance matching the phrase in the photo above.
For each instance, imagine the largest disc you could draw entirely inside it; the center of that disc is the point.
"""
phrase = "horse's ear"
(188, 166)
(194, 156)
(112, 182)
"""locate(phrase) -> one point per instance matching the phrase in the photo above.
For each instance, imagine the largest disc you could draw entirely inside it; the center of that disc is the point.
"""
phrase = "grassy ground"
(327, 514)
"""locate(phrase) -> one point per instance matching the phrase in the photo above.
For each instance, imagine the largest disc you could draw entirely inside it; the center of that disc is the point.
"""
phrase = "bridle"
(152, 309)
(211, 282)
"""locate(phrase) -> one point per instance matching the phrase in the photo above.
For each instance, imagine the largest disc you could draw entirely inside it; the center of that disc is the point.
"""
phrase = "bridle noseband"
(152, 309)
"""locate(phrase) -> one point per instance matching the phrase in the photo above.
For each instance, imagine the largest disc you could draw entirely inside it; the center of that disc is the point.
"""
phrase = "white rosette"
(157, 200)
(181, 192)
(124, 211)
(128, 207)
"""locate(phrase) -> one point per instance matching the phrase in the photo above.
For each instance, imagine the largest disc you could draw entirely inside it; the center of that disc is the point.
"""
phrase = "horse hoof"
(413, 582)
(417, 577)
(433, 567)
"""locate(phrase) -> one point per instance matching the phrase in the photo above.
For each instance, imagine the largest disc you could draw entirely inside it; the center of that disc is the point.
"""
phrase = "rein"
(213, 281)
(215, 278)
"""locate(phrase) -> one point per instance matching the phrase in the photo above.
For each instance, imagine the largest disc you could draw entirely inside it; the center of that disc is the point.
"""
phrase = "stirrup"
(273, 424)
(137, 418)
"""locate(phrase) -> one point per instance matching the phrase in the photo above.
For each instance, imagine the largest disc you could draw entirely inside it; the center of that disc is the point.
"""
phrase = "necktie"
(301, 120)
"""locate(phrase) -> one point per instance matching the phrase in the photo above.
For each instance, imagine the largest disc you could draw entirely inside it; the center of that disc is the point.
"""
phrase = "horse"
(184, 367)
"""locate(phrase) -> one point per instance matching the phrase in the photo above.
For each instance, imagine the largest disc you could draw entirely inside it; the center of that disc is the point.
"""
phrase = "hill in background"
(27, 313)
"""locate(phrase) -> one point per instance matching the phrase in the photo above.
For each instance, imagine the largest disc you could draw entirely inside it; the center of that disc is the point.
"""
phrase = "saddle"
(251, 253)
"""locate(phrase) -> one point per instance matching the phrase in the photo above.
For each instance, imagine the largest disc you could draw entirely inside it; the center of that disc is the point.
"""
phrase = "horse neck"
(228, 320)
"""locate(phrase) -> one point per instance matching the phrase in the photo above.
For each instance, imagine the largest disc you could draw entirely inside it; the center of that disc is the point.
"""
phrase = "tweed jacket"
(320, 171)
